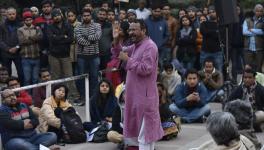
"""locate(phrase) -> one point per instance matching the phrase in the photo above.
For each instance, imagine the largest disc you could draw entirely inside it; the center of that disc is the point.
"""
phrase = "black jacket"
(9, 38)
(259, 94)
(60, 40)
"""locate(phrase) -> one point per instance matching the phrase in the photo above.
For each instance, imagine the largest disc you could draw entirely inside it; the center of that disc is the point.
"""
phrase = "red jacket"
(24, 97)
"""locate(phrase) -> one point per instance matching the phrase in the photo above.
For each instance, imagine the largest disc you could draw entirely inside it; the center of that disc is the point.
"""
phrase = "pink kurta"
(141, 92)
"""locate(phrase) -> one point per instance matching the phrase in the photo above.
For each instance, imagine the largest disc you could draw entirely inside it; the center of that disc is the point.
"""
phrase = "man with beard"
(9, 44)
(142, 101)
(43, 21)
(106, 38)
(18, 123)
(159, 33)
(88, 35)
(60, 35)
(211, 42)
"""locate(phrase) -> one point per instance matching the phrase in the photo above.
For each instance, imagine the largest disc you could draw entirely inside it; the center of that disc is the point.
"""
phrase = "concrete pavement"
(191, 136)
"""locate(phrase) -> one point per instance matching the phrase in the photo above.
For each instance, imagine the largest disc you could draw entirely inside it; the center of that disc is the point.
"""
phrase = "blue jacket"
(12, 122)
(158, 31)
(180, 95)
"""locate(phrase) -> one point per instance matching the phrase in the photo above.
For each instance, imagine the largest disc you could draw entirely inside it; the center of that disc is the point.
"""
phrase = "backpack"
(100, 135)
(73, 123)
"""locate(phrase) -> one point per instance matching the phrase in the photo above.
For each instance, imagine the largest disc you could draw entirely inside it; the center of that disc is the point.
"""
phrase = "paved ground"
(191, 135)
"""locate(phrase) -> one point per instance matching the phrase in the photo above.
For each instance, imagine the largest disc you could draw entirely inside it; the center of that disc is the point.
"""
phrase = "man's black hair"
(167, 66)
(43, 70)
(191, 71)
(86, 11)
(46, 2)
(209, 59)
(12, 78)
(250, 70)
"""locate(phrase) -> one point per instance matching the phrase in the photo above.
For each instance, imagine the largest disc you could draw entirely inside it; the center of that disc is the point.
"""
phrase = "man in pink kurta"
(141, 118)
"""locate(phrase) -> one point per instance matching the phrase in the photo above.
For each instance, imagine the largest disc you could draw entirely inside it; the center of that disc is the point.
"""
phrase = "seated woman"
(103, 103)
(49, 117)
(170, 126)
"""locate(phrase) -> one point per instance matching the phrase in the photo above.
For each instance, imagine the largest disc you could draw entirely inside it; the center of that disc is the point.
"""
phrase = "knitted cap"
(27, 14)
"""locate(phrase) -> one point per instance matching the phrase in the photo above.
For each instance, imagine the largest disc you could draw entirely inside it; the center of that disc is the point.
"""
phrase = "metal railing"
(48, 90)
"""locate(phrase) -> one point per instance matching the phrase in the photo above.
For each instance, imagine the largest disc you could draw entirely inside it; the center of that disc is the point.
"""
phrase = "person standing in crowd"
(236, 52)
(71, 17)
(191, 12)
(254, 38)
(60, 35)
(122, 15)
(251, 91)
(173, 25)
(131, 15)
(43, 21)
(35, 12)
(186, 42)
(18, 124)
(120, 38)
(9, 44)
(2, 14)
(29, 37)
(157, 30)
(105, 6)
(3, 77)
(111, 16)
(39, 93)
(190, 99)
(106, 38)
(211, 42)
(88, 35)
(142, 12)
(142, 102)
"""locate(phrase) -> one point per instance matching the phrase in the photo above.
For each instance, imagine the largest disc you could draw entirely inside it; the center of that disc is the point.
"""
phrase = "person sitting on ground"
(39, 93)
(251, 91)
(3, 77)
(18, 123)
(115, 134)
(210, 76)
(22, 96)
(223, 128)
(170, 78)
(190, 99)
(51, 110)
(243, 113)
(103, 103)
(259, 75)
(169, 125)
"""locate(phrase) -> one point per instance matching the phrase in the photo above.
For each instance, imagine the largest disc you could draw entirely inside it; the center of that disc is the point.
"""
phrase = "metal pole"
(87, 101)
(48, 90)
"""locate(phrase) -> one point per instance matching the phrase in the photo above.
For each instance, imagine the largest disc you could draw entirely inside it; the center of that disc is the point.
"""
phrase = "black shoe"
(78, 102)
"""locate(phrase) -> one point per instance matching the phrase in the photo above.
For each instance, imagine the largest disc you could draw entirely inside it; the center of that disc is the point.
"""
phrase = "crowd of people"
(156, 67)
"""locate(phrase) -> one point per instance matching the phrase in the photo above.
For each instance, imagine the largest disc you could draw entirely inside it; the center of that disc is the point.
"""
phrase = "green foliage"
(8, 3)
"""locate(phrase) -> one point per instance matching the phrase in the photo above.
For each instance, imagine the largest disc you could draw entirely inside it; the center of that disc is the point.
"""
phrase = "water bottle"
(66, 135)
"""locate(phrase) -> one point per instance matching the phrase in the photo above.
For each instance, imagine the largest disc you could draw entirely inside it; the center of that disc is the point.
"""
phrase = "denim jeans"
(90, 66)
(32, 143)
(31, 70)
(191, 114)
(217, 57)
(7, 62)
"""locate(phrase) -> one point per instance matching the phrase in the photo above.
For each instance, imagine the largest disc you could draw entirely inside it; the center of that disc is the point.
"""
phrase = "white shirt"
(144, 14)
